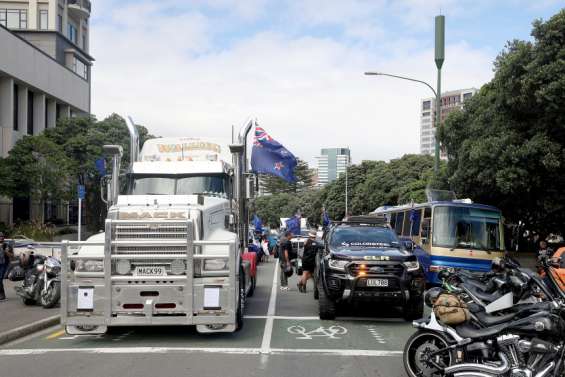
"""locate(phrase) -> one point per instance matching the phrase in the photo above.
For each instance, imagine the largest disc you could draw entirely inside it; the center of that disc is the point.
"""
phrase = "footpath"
(18, 320)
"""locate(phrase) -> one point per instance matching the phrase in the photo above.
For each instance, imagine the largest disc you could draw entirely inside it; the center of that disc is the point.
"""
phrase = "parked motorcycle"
(525, 342)
(41, 282)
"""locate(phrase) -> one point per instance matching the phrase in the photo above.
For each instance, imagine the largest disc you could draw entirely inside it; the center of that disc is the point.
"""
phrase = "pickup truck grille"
(376, 269)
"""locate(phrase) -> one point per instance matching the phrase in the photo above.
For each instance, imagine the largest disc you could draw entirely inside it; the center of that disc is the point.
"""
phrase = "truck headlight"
(412, 265)
(89, 265)
(219, 264)
(178, 267)
(338, 264)
(123, 267)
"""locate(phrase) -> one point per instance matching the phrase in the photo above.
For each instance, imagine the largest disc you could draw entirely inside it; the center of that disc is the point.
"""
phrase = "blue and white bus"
(449, 233)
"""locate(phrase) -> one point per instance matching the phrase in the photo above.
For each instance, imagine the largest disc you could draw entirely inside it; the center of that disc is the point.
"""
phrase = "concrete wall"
(42, 72)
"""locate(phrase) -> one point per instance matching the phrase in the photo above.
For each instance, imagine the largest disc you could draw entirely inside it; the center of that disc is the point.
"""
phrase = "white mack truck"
(173, 250)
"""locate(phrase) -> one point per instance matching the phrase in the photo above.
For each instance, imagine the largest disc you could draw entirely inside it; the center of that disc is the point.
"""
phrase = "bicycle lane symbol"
(331, 332)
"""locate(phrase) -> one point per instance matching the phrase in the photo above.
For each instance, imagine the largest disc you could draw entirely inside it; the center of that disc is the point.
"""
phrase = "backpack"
(451, 310)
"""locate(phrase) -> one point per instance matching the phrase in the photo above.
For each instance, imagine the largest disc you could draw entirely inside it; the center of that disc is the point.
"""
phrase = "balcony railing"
(83, 6)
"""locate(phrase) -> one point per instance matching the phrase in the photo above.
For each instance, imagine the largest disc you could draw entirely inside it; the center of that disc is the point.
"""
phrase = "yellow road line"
(56, 334)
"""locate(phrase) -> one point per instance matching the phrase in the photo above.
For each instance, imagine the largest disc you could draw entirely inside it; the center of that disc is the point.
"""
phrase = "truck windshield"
(466, 228)
(177, 185)
(363, 236)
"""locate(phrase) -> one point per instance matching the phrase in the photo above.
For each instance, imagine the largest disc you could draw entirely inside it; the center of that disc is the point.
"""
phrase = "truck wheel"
(240, 303)
(413, 310)
(327, 307)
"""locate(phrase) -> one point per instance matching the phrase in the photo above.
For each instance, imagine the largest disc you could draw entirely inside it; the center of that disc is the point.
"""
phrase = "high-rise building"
(331, 163)
(449, 102)
(44, 71)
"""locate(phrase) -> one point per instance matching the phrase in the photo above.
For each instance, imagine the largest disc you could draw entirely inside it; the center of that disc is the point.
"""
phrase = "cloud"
(308, 92)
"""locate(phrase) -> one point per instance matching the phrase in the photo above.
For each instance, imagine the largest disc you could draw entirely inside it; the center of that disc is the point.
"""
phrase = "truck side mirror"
(116, 152)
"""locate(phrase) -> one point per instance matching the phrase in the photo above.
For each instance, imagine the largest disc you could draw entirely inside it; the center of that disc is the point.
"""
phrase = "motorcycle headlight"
(338, 264)
(412, 265)
(178, 267)
(219, 264)
(123, 267)
(89, 265)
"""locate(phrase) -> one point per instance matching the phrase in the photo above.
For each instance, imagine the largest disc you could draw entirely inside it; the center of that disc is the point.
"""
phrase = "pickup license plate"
(377, 283)
(150, 271)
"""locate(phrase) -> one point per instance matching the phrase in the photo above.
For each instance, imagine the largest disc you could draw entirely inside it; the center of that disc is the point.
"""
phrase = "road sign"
(81, 191)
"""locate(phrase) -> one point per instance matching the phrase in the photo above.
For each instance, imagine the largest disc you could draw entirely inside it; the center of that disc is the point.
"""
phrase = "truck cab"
(171, 252)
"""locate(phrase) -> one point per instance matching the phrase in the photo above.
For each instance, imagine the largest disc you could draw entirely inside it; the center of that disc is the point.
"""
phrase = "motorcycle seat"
(477, 284)
(493, 320)
(481, 295)
(469, 331)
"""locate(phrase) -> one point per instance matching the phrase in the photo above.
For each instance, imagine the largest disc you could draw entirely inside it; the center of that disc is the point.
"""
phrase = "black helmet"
(431, 296)
(288, 271)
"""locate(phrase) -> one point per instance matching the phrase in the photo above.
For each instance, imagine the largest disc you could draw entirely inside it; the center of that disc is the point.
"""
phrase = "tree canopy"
(273, 184)
(507, 147)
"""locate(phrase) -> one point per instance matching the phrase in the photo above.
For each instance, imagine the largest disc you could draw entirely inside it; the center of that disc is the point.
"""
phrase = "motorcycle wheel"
(28, 301)
(51, 296)
(418, 346)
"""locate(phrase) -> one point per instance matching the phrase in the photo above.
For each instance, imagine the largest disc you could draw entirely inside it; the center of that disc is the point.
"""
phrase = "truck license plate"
(377, 283)
(150, 271)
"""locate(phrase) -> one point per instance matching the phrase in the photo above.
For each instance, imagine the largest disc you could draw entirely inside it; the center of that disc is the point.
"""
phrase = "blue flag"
(258, 224)
(101, 166)
(270, 157)
(293, 225)
(326, 220)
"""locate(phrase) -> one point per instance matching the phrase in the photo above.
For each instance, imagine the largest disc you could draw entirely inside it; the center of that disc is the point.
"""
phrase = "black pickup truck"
(363, 260)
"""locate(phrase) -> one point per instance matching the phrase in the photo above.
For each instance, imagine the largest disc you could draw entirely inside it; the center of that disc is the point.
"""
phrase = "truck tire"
(327, 307)
(240, 302)
(413, 310)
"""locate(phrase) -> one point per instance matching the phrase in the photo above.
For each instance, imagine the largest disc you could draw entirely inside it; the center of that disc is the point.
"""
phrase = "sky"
(197, 67)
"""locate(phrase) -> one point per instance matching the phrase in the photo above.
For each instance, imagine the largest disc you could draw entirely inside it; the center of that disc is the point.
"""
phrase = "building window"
(46, 114)
(466, 96)
(13, 18)
(43, 19)
(72, 33)
(80, 68)
(16, 108)
(30, 112)
(60, 23)
(426, 105)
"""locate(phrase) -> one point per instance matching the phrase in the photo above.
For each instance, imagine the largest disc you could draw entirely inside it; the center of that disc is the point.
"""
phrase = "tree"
(273, 184)
(507, 147)
(35, 168)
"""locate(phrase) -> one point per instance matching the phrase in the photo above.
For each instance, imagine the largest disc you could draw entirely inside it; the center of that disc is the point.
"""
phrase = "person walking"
(6, 254)
(286, 255)
(308, 261)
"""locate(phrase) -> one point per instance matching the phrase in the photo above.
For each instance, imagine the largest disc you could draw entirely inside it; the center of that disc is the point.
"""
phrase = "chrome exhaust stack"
(133, 140)
(239, 151)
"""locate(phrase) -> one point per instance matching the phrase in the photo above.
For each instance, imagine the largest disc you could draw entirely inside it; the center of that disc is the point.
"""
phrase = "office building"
(45, 71)
(331, 163)
(450, 101)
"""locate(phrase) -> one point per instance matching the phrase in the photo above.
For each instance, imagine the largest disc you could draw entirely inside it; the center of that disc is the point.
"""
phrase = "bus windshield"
(466, 228)
(177, 185)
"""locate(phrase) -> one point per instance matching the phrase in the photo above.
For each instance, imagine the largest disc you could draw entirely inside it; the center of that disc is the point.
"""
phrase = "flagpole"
(346, 193)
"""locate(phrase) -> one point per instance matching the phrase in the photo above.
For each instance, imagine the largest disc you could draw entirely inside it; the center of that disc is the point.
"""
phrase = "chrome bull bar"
(112, 292)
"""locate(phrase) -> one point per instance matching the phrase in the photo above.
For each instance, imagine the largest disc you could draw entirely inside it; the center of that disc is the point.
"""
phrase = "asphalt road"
(282, 336)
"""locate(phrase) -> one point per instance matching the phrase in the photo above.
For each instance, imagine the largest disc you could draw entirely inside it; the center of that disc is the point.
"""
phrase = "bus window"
(399, 222)
(406, 227)
(392, 219)
(425, 236)
(415, 219)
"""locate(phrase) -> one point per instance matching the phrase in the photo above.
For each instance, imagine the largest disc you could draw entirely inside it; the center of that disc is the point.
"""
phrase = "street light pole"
(346, 193)
(439, 58)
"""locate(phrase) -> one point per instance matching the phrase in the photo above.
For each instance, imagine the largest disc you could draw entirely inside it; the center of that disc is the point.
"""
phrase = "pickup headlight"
(338, 264)
(220, 264)
(412, 265)
(89, 265)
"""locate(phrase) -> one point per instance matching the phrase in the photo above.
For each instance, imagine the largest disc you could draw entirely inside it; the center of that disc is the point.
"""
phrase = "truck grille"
(376, 269)
(150, 232)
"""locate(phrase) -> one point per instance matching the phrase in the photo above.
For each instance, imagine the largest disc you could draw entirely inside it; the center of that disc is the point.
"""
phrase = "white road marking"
(282, 317)
(187, 350)
(375, 334)
(268, 333)
(323, 332)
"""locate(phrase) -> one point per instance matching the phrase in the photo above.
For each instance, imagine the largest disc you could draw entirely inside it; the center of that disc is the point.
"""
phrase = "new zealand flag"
(270, 157)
